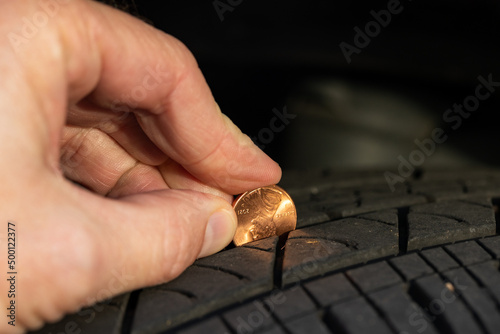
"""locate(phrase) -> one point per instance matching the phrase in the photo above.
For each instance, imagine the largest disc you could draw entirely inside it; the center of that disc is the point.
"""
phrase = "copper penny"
(262, 213)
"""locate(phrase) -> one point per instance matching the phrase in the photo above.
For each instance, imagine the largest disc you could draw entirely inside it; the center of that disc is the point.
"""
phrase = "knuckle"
(113, 123)
(79, 147)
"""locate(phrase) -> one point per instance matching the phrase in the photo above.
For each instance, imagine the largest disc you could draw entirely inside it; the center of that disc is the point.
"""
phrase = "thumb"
(157, 235)
(136, 241)
(101, 247)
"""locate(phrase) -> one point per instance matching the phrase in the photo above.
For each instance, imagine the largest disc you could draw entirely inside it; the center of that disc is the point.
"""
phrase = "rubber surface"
(364, 259)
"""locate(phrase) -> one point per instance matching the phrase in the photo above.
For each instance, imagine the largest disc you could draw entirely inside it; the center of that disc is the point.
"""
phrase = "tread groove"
(130, 312)
(496, 207)
(258, 248)
(360, 251)
(480, 283)
(476, 317)
(181, 292)
(418, 297)
(224, 270)
(358, 202)
(350, 245)
(228, 325)
(474, 277)
(278, 260)
(458, 260)
(403, 229)
(460, 296)
(418, 174)
(486, 249)
(429, 263)
(465, 188)
(373, 220)
(372, 304)
(445, 216)
(474, 203)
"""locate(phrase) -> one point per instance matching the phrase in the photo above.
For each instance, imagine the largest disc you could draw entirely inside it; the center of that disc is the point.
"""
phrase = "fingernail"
(219, 232)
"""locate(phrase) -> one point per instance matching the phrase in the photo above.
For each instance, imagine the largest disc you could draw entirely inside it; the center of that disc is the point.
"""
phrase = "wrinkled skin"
(97, 96)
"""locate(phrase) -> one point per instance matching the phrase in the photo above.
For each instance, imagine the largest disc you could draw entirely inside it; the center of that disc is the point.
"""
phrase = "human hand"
(106, 100)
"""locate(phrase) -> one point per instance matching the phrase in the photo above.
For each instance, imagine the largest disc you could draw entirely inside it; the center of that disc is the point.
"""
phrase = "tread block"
(411, 266)
(211, 325)
(443, 306)
(320, 179)
(380, 191)
(267, 244)
(439, 223)
(305, 217)
(459, 279)
(438, 258)
(492, 244)
(394, 201)
(273, 330)
(365, 228)
(308, 324)
(484, 307)
(464, 175)
(331, 289)
(101, 318)
(372, 204)
(209, 284)
(400, 310)
(489, 186)
(468, 252)
(294, 302)
(341, 203)
(439, 190)
(374, 276)
(322, 248)
(488, 274)
(334, 196)
(250, 317)
(356, 316)
(478, 298)
(334, 210)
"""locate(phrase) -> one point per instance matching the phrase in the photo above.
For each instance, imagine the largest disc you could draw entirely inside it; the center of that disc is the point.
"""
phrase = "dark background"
(263, 52)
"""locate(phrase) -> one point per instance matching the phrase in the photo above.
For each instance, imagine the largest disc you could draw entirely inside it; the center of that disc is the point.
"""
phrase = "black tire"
(364, 259)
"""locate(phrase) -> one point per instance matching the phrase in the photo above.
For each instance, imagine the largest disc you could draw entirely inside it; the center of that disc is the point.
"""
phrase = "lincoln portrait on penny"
(263, 204)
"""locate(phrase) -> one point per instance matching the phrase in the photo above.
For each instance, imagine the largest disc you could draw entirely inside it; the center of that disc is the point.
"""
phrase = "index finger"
(124, 64)
(176, 109)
